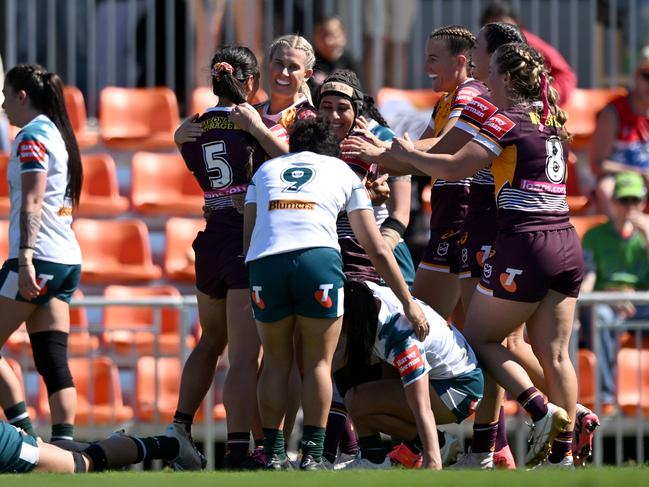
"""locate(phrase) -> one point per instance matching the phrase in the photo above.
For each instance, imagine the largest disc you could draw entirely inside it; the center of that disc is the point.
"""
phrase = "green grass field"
(619, 477)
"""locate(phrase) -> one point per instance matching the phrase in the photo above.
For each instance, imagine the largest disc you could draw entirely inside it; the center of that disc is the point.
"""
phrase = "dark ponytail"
(231, 66)
(360, 318)
(45, 90)
(499, 33)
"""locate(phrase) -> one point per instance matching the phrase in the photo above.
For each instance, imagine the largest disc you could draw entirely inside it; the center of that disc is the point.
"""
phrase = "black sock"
(372, 448)
(237, 446)
(441, 438)
(155, 447)
(185, 419)
(62, 431)
(17, 416)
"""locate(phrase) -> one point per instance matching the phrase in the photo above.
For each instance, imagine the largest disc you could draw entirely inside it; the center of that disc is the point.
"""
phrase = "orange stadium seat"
(115, 250)
(582, 108)
(630, 362)
(179, 235)
(583, 223)
(203, 98)
(99, 394)
(4, 185)
(4, 239)
(420, 99)
(122, 322)
(80, 341)
(76, 107)
(162, 185)
(18, 342)
(15, 366)
(138, 118)
(587, 365)
(99, 193)
(169, 371)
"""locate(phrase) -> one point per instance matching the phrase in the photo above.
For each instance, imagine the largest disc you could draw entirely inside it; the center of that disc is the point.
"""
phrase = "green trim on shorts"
(56, 281)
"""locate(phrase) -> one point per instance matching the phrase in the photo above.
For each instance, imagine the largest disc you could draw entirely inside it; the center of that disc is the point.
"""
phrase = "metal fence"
(97, 43)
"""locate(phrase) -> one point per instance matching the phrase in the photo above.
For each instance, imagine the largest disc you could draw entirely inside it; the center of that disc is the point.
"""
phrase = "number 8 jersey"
(222, 160)
(530, 171)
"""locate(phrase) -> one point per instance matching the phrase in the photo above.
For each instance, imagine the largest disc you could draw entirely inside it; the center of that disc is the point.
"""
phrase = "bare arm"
(364, 225)
(418, 398)
(399, 202)
(249, 219)
(33, 190)
(246, 117)
(603, 140)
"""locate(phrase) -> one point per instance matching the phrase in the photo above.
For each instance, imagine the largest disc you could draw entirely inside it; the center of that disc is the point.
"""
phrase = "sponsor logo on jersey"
(237, 188)
(256, 297)
(465, 95)
(507, 279)
(220, 123)
(479, 110)
(322, 296)
(442, 248)
(486, 271)
(291, 205)
(408, 361)
(498, 126)
(543, 187)
(31, 151)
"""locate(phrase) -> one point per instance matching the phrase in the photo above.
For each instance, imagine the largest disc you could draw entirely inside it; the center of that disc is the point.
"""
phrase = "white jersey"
(298, 198)
(443, 354)
(39, 147)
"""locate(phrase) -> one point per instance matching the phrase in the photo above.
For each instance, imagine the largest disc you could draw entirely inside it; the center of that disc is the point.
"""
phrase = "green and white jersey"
(298, 198)
(39, 147)
(443, 354)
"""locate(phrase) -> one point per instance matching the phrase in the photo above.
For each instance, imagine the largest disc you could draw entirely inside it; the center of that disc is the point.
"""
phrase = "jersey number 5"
(555, 164)
(219, 171)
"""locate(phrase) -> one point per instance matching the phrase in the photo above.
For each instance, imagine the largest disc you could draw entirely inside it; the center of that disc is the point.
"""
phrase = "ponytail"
(360, 318)
(45, 90)
(231, 66)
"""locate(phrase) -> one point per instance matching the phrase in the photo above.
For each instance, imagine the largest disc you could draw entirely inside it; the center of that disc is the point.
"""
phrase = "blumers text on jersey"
(39, 147)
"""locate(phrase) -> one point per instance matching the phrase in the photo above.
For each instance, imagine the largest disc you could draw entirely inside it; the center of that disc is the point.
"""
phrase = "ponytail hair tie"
(219, 68)
(543, 88)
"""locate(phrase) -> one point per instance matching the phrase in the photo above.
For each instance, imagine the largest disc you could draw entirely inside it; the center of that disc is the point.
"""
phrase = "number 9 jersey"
(222, 160)
(530, 171)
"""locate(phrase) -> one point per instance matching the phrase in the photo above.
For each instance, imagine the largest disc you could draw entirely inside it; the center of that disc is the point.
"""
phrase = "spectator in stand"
(564, 79)
(617, 259)
(329, 42)
(621, 138)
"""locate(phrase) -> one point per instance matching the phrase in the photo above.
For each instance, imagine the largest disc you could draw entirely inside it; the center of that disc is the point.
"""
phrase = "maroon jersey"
(280, 123)
(530, 170)
(222, 160)
(449, 199)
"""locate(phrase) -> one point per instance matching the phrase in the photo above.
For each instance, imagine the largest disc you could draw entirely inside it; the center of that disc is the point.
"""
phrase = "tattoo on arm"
(30, 224)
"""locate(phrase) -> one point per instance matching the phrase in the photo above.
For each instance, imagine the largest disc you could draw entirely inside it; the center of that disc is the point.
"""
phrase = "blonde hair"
(294, 41)
(528, 71)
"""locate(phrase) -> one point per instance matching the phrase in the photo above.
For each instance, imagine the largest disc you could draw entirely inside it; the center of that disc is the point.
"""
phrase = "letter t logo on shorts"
(256, 297)
(507, 279)
(322, 295)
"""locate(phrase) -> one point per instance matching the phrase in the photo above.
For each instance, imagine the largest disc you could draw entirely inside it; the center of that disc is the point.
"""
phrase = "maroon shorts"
(476, 244)
(220, 262)
(443, 251)
(525, 266)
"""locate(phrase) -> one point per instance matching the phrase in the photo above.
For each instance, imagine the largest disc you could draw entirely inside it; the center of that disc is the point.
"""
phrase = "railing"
(97, 43)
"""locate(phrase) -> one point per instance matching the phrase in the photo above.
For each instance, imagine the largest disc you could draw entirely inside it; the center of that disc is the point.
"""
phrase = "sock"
(415, 444)
(62, 431)
(185, 419)
(501, 434)
(154, 447)
(561, 447)
(237, 446)
(274, 443)
(17, 416)
(313, 441)
(335, 430)
(349, 441)
(484, 437)
(441, 438)
(532, 401)
(372, 448)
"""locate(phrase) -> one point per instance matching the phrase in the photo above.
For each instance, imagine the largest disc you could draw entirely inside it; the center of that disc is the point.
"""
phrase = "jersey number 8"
(220, 172)
(555, 164)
